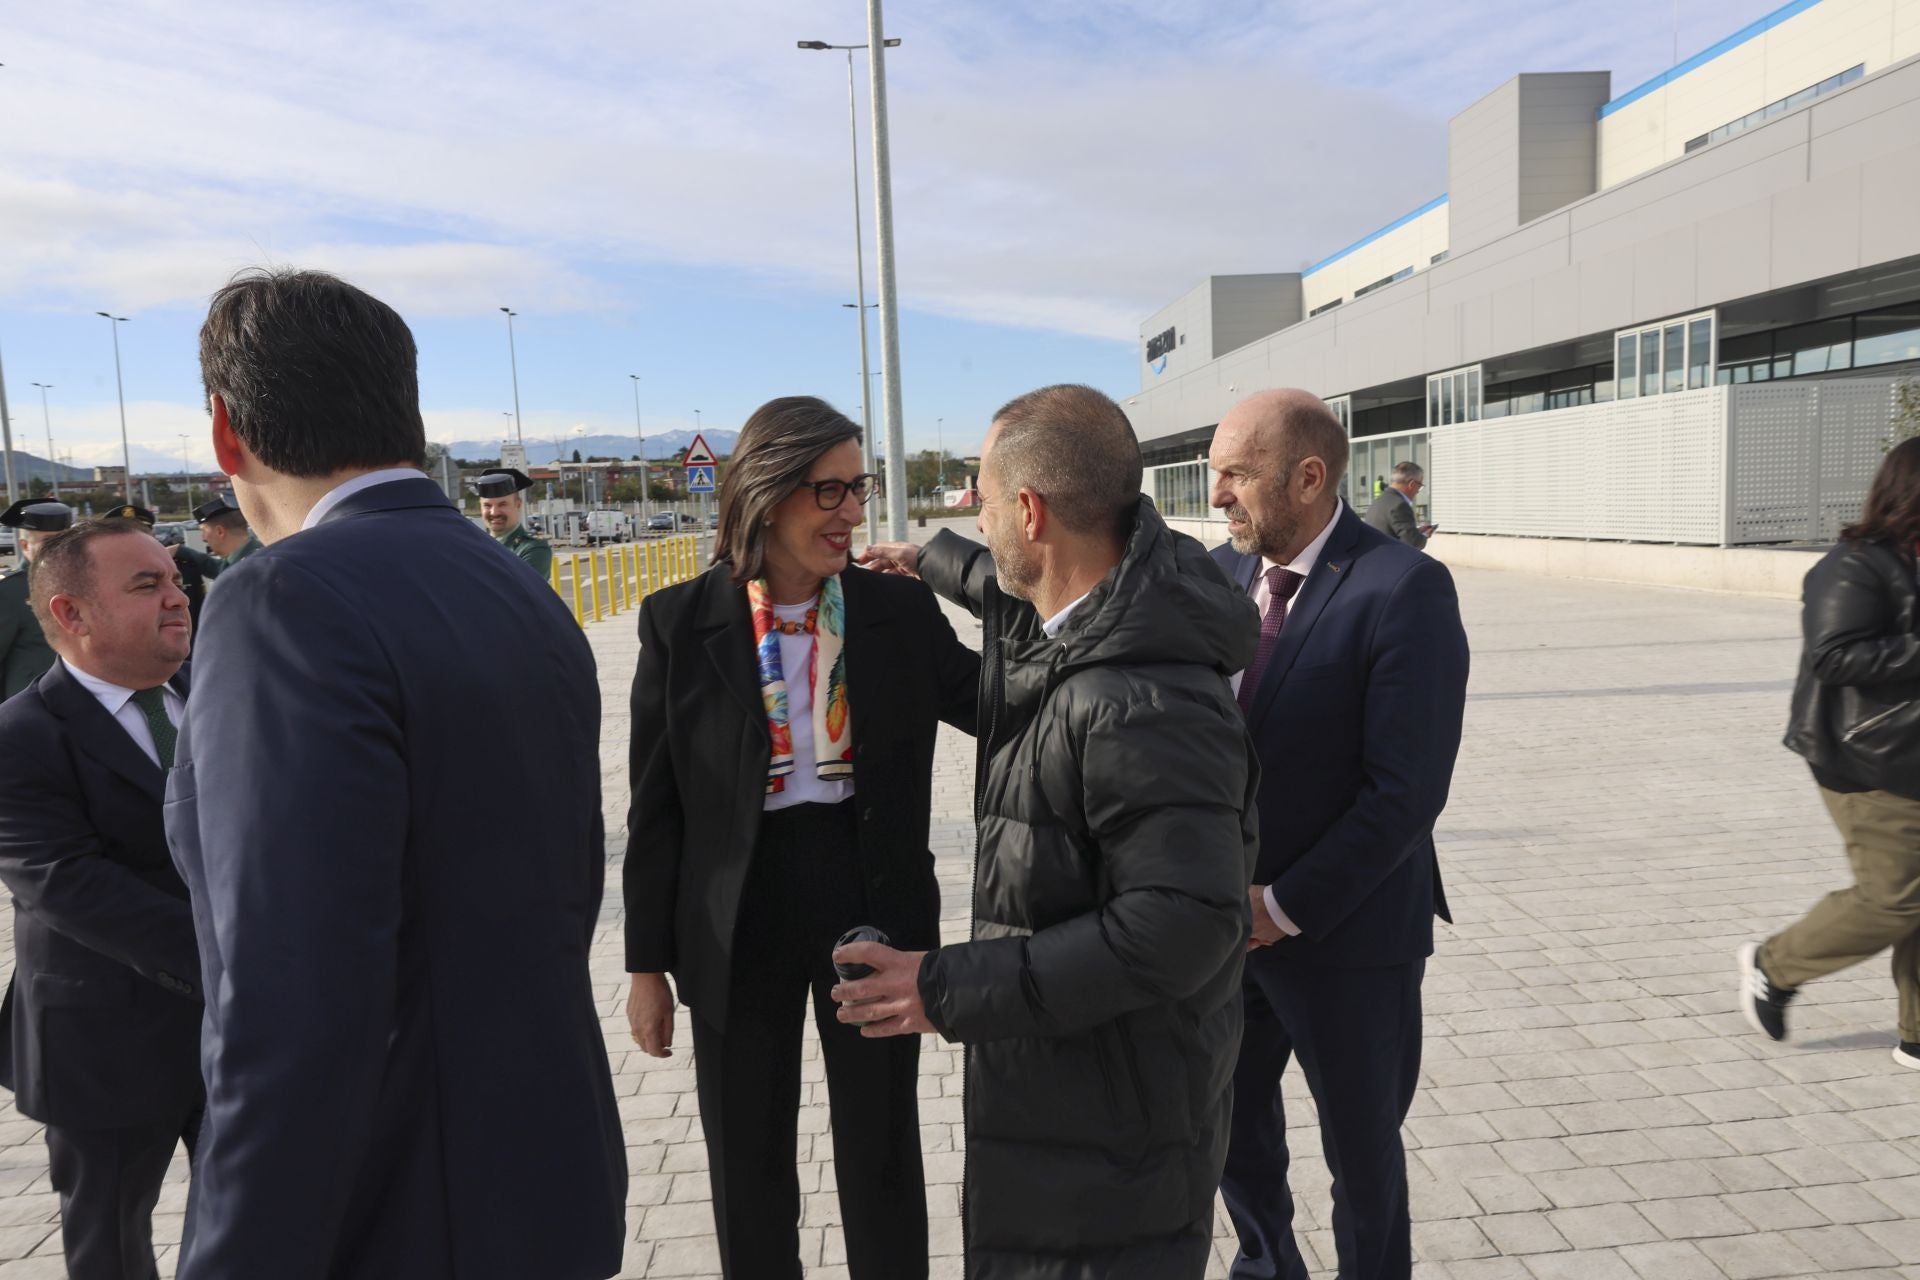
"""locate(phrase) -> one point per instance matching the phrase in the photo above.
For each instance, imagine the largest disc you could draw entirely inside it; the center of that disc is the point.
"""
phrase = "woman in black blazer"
(784, 713)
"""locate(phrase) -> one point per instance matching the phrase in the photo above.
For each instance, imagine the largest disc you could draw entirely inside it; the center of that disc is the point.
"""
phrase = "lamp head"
(814, 44)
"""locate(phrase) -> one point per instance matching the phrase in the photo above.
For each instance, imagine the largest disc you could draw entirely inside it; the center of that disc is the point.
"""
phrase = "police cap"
(129, 511)
(219, 504)
(42, 515)
(501, 482)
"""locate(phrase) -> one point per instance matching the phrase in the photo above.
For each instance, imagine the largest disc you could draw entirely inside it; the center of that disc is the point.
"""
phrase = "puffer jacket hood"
(1100, 997)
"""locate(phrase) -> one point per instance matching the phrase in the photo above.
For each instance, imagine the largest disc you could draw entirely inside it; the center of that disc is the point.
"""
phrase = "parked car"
(713, 520)
(660, 521)
(688, 520)
(608, 526)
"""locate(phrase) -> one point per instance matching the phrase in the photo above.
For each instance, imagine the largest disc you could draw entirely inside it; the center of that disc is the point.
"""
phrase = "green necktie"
(153, 705)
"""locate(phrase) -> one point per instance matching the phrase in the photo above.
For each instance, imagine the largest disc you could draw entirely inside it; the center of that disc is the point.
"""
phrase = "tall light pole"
(513, 363)
(53, 464)
(860, 306)
(940, 447)
(6, 441)
(889, 300)
(126, 452)
(646, 479)
(186, 465)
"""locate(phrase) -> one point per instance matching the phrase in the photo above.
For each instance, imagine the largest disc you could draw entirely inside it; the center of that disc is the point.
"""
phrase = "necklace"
(811, 626)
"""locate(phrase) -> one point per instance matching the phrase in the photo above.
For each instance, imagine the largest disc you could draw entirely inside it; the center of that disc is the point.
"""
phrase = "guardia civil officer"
(504, 511)
(24, 652)
(229, 540)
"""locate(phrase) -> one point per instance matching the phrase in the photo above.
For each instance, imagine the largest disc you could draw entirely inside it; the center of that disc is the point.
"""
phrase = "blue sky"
(663, 190)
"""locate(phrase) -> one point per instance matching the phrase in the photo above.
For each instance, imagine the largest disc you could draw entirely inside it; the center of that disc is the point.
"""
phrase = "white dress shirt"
(1302, 564)
(347, 488)
(119, 704)
(803, 784)
(1052, 625)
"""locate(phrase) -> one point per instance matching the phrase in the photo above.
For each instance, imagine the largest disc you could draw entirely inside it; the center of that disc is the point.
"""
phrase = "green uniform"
(535, 551)
(24, 651)
(211, 565)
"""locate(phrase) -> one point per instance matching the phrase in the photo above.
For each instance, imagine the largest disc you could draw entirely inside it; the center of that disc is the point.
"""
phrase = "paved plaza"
(1592, 1107)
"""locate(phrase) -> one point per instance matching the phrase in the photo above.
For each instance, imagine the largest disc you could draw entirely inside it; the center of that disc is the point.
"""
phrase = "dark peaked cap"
(218, 504)
(42, 515)
(501, 482)
(129, 511)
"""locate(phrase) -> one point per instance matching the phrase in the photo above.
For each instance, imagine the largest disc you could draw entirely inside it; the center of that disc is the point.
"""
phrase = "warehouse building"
(1677, 314)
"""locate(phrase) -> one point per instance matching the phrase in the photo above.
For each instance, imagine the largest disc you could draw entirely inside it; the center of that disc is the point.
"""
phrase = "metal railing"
(607, 581)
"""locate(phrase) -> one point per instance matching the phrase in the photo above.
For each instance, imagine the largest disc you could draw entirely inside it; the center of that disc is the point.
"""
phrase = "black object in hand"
(861, 933)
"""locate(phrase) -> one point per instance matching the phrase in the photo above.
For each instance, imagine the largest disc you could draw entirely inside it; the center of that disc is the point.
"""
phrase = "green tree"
(1906, 412)
(576, 455)
(38, 487)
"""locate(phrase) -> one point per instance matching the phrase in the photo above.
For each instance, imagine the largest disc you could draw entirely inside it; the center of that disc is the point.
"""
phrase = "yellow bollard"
(617, 570)
(579, 613)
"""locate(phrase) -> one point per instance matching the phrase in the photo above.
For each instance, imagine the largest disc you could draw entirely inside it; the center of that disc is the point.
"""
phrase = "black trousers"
(1357, 1035)
(109, 1181)
(804, 890)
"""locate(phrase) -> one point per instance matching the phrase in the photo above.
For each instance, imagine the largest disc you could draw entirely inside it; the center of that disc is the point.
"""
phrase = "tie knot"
(150, 700)
(1282, 583)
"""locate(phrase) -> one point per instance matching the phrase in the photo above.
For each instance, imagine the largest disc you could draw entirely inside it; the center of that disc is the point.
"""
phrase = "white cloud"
(1065, 165)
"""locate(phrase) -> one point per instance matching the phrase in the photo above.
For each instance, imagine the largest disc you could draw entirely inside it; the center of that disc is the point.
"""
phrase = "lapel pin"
(1331, 565)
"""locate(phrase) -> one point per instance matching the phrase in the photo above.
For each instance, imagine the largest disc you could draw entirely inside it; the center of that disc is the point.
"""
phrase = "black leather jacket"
(1856, 704)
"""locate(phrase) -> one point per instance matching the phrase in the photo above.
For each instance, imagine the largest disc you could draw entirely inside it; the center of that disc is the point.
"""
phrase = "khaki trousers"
(1880, 910)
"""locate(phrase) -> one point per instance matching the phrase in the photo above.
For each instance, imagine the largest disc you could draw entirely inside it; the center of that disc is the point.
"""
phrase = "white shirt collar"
(1303, 563)
(1052, 625)
(110, 695)
(346, 489)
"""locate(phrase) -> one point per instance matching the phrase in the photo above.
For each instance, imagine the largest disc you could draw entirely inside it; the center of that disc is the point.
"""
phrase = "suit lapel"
(728, 626)
(97, 733)
(1334, 567)
(1238, 567)
(866, 649)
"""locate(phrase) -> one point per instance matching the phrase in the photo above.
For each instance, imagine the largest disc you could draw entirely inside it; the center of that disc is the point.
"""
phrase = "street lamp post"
(860, 306)
(186, 465)
(513, 363)
(889, 301)
(53, 464)
(6, 442)
(640, 431)
(126, 452)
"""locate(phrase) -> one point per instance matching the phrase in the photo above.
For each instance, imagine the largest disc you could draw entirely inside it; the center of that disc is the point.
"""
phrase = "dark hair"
(317, 376)
(1074, 447)
(775, 450)
(1892, 512)
(233, 521)
(63, 566)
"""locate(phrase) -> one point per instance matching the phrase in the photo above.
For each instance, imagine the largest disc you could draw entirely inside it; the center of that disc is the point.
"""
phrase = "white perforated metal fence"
(1720, 466)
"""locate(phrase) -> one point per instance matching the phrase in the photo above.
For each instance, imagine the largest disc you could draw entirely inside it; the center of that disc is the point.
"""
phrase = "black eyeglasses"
(830, 494)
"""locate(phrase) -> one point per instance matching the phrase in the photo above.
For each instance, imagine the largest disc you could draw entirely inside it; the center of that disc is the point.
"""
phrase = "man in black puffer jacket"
(1100, 998)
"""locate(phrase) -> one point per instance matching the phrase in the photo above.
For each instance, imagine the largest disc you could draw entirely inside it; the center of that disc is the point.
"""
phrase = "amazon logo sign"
(1159, 347)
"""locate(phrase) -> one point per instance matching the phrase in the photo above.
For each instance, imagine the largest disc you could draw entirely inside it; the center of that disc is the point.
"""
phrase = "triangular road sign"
(698, 455)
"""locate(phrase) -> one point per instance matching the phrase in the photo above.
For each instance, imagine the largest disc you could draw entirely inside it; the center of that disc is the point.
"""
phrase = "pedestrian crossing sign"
(700, 479)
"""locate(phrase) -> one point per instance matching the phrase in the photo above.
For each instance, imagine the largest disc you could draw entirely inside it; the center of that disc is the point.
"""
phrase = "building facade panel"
(1409, 246)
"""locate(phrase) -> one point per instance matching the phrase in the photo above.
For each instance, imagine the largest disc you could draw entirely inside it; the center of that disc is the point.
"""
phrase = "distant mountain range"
(28, 467)
(667, 446)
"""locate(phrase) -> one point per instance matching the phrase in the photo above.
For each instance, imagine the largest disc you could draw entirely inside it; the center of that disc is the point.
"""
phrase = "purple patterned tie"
(1281, 584)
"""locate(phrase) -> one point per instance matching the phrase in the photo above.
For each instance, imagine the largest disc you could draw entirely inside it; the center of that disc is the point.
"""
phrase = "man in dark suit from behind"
(406, 1074)
(1392, 512)
(1354, 700)
(99, 1037)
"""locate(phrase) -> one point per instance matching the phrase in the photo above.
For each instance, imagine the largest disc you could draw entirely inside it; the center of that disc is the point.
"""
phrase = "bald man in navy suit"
(1354, 700)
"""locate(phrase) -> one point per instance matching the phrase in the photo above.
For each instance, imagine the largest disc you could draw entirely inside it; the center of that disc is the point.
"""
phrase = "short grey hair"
(1407, 472)
(1074, 447)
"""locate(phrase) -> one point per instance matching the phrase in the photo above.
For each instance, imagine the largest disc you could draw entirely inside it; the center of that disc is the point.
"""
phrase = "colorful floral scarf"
(832, 720)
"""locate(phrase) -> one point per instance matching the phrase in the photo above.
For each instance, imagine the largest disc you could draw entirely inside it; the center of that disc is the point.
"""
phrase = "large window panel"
(1883, 337)
(1674, 359)
(1699, 353)
(1626, 360)
(1825, 346)
(1473, 395)
(1650, 363)
(1433, 402)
